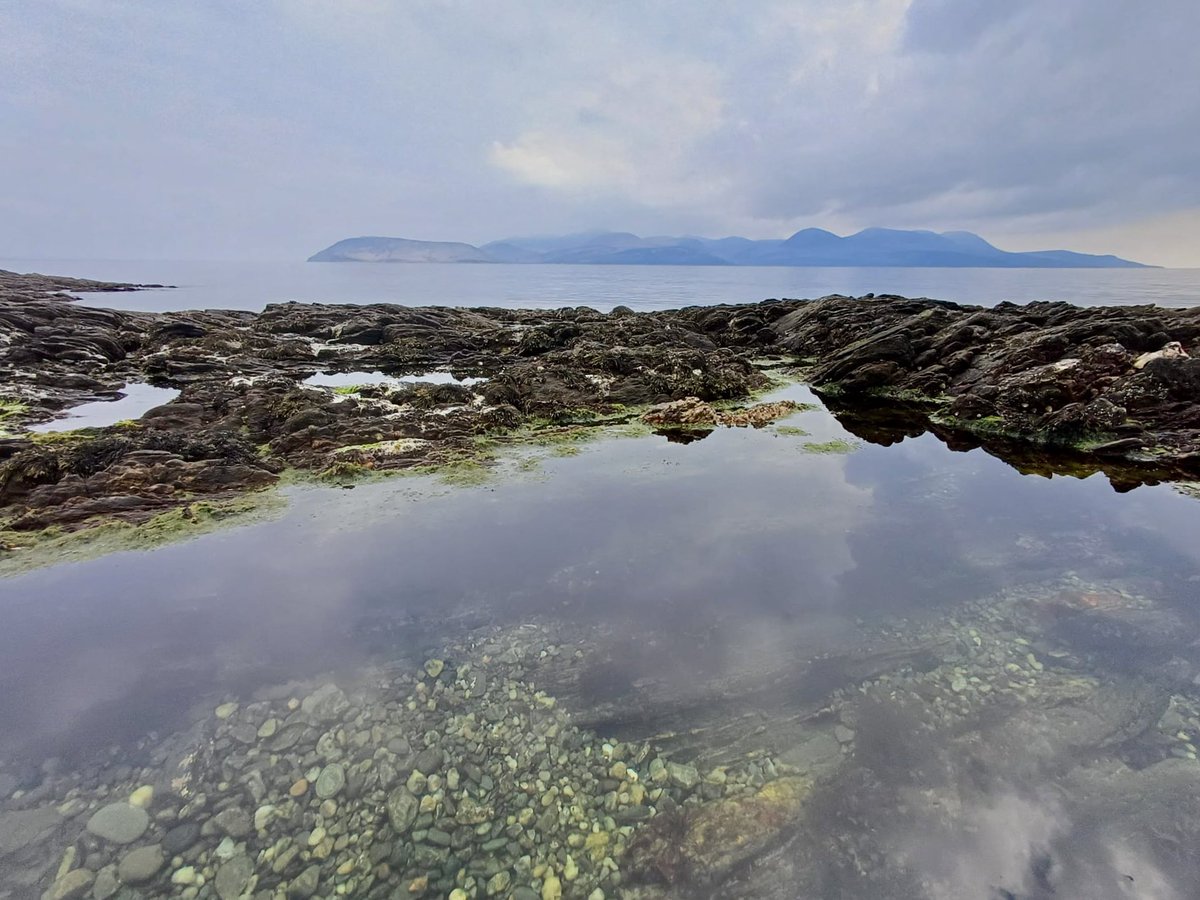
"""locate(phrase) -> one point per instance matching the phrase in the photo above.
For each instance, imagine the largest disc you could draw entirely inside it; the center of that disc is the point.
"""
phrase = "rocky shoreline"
(1047, 387)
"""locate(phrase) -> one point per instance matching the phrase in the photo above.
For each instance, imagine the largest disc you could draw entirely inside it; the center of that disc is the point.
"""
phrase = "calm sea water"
(251, 285)
(1002, 680)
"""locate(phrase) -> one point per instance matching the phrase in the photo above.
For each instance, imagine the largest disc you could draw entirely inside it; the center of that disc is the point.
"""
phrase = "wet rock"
(690, 412)
(305, 884)
(429, 760)
(683, 776)
(331, 781)
(233, 878)
(141, 865)
(819, 752)
(106, 884)
(325, 704)
(1048, 373)
(402, 808)
(704, 844)
(180, 838)
(71, 886)
(119, 823)
(24, 828)
(234, 822)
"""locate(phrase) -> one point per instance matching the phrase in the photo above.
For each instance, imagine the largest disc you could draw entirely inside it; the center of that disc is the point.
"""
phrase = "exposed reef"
(1112, 389)
(1114, 383)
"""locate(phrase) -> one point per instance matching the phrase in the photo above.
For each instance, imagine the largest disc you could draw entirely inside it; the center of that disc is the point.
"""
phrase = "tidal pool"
(134, 399)
(355, 379)
(768, 663)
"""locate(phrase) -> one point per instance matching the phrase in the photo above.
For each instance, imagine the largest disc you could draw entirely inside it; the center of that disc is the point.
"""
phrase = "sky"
(230, 130)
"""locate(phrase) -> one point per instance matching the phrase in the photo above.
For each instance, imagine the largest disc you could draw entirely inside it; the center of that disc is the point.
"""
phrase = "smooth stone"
(142, 797)
(843, 734)
(551, 888)
(331, 781)
(434, 667)
(227, 849)
(106, 883)
(180, 838)
(499, 883)
(263, 816)
(71, 886)
(233, 878)
(306, 883)
(657, 771)
(325, 703)
(402, 808)
(119, 823)
(225, 710)
(683, 776)
(140, 865)
(429, 760)
(299, 787)
(234, 822)
(185, 876)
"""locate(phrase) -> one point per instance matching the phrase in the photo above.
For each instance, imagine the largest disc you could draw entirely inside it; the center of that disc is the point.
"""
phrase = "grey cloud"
(134, 128)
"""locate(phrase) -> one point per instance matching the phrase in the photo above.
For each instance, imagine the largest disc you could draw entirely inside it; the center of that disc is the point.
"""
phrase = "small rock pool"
(357, 379)
(132, 402)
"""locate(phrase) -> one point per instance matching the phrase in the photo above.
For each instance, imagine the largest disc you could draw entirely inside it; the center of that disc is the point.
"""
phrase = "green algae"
(830, 447)
(11, 411)
(22, 551)
(790, 431)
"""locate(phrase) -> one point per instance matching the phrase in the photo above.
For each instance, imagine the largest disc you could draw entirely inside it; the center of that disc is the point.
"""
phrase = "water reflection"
(131, 402)
(981, 683)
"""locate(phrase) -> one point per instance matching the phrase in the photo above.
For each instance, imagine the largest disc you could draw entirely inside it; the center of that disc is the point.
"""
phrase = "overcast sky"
(227, 129)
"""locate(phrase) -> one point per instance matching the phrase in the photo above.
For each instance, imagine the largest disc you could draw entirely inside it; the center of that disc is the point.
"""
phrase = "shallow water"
(356, 379)
(251, 285)
(1004, 666)
(134, 400)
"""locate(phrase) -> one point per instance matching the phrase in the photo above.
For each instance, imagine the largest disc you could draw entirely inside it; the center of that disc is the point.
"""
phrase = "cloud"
(639, 131)
(272, 128)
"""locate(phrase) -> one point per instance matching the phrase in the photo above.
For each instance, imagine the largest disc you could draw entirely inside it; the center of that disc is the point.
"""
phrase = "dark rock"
(180, 838)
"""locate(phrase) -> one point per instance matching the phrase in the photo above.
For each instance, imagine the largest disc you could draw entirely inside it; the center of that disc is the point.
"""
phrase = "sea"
(252, 285)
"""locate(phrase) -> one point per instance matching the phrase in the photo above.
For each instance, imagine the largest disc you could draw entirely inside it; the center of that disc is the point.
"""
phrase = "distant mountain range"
(809, 247)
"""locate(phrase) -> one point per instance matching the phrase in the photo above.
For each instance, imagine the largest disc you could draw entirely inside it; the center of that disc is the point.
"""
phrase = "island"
(872, 247)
